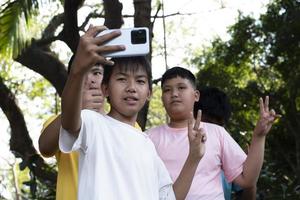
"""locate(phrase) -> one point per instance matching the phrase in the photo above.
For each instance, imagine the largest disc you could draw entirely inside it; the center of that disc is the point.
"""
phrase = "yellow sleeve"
(137, 126)
(48, 121)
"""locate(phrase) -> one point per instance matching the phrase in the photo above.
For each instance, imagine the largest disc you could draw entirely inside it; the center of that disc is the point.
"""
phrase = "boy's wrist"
(258, 137)
(193, 159)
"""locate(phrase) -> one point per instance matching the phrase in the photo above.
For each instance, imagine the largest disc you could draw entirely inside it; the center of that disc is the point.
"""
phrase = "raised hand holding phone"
(91, 49)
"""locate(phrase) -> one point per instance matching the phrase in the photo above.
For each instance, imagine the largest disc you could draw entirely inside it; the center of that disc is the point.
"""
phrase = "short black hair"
(215, 106)
(129, 64)
(178, 72)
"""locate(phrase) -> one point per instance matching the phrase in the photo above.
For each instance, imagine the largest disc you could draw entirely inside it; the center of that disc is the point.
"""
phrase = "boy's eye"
(181, 87)
(121, 79)
(140, 81)
(98, 73)
(166, 89)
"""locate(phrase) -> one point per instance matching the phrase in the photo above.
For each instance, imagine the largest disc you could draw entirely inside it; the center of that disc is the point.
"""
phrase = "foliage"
(157, 115)
(15, 19)
(262, 58)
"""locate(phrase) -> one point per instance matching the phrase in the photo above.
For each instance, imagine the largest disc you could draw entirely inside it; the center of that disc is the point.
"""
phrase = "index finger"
(103, 37)
(94, 30)
(191, 122)
(198, 120)
(261, 106)
(266, 104)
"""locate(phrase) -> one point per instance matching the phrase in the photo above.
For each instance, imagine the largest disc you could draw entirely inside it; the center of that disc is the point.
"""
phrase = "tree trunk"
(20, 142)
(142, 18)
(113, 13)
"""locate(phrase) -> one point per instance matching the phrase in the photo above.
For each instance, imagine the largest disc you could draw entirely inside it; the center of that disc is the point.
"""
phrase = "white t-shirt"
(116, 161)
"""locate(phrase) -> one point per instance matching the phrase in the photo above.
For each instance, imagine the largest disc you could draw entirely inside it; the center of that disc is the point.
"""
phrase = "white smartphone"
(136, 41)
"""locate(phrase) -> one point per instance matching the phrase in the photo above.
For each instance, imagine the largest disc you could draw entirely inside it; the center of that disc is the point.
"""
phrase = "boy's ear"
(149, 95)
(197, 95)
(104, 90)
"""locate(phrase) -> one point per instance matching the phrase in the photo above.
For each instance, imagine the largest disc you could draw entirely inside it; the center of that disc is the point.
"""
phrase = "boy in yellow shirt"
(67, 179)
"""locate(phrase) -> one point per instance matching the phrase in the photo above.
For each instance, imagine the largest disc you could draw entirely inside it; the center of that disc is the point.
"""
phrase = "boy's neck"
(178, 123)
(127, 120)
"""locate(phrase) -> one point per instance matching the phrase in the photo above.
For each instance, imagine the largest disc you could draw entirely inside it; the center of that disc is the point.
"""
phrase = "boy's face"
(127, 91)
(179, 96)
(93, 97)
(94, 77)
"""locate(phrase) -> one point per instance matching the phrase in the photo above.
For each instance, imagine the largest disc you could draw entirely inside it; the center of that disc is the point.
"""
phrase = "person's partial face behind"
(94, 77)
(128, 90)
(179, 96)
(92, 94)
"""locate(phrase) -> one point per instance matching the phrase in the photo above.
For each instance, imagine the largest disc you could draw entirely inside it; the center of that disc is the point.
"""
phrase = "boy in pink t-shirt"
(172, 144)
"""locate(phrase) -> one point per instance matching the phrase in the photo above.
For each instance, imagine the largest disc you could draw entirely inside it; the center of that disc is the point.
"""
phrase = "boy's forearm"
(254, 162)
(71, 103)
(248, 194)
(48, 141)
(183, 183)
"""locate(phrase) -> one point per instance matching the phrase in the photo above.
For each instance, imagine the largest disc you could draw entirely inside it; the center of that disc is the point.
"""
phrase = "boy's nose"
(174, 93)
(131, 86)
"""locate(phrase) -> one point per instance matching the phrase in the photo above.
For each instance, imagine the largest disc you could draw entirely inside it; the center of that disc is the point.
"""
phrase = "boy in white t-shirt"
(117, 161)
(171, 141)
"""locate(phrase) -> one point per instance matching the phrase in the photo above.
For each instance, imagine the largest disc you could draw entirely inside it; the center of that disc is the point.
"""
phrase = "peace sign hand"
(266, 118)
(197, 137)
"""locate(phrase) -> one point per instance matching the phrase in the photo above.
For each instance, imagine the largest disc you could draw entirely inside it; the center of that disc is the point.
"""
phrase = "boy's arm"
(48, 141)
(87, 55)
(248, 194)
(197, 138)
(254, 161)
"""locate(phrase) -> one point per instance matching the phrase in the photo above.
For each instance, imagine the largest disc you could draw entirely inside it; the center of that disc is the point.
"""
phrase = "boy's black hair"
(129, 64)
(178, 72)
(215, 106)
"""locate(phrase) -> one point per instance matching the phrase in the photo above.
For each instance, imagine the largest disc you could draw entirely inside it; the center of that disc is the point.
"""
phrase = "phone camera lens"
(138, 36)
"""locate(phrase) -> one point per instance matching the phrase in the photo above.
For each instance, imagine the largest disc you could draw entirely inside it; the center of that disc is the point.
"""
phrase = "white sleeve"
(167, 193)
(165, 183)
(69, 143)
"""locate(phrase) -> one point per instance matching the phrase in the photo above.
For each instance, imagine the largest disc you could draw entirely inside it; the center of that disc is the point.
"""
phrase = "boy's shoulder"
(214, 129)
(157, 129)
(211, 126)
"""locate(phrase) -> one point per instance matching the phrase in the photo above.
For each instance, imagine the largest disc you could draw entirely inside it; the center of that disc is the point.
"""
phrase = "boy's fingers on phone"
(102, 60)
(108, 49)
(106, 37)
(94, 30)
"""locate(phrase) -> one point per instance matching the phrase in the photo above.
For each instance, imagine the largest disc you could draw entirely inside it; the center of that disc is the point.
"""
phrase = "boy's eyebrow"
(95, 68)
(136, 75)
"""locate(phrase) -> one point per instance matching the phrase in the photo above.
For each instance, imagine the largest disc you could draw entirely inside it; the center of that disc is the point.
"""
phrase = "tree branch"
(70, 33)
(113, 13)
(20, 142)
(46, 64)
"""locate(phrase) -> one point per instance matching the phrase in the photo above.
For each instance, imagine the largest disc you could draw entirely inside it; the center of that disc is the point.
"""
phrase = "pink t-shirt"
(222, 152)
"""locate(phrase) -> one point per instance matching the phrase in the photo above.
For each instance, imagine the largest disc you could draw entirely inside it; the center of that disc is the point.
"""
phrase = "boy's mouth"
(175, 101)
(131, 99)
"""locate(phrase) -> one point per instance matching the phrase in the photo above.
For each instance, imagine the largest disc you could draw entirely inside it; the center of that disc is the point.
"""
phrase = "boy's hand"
(93, 99)
(266, 118)
(90, 48)
(197, 137)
